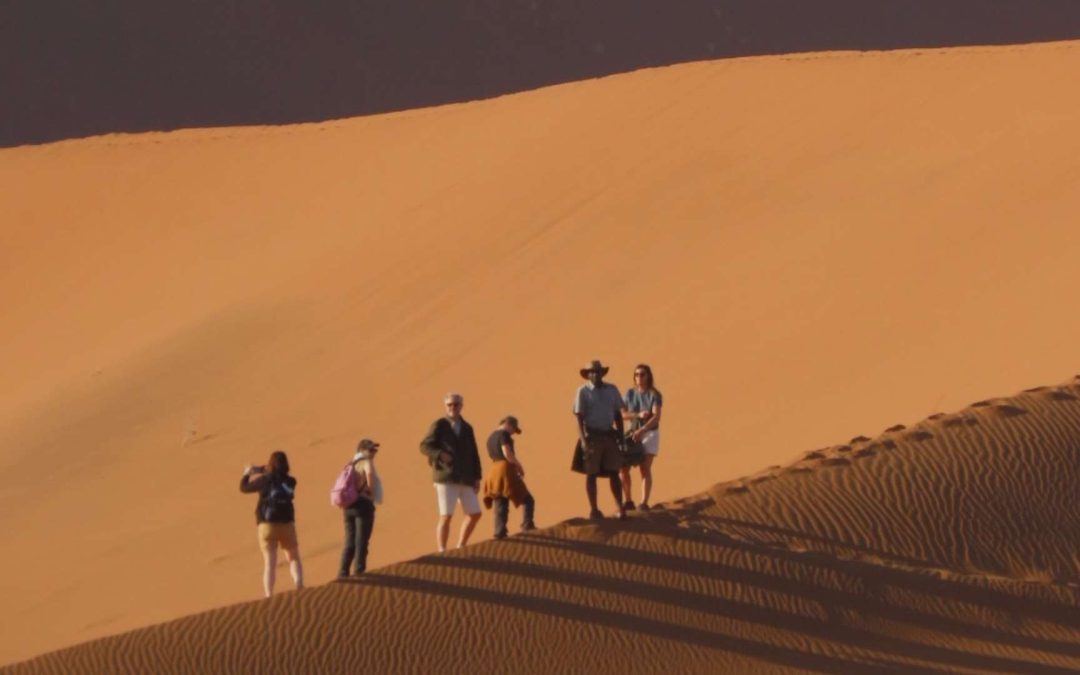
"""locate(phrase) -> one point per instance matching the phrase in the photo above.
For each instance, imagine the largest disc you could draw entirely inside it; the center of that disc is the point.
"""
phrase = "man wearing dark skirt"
(599, 452)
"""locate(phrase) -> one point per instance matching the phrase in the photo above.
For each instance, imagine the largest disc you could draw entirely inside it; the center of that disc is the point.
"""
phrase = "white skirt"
(651, 441)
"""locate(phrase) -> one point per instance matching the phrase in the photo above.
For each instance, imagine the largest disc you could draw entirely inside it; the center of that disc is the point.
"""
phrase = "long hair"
(647, 381)
(278, 464)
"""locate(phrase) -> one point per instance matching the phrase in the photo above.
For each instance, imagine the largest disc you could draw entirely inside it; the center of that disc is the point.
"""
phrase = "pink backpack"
(344, 492)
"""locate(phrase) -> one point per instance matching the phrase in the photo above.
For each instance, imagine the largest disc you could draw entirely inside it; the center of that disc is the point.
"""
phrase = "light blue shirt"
(598, 405)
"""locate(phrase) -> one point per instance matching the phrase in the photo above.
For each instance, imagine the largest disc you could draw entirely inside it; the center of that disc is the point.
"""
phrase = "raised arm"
(249, 484)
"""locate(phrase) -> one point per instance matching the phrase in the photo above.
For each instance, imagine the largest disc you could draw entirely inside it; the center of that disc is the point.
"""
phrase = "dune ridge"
(812, 566)
(801, 246)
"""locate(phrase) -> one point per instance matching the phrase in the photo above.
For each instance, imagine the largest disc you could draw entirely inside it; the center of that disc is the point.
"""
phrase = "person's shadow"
(131, 66)
(763, 586)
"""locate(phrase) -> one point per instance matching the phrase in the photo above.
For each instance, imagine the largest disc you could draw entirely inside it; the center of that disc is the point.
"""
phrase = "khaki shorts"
(601, 457)
(272, 535)
(449, 494)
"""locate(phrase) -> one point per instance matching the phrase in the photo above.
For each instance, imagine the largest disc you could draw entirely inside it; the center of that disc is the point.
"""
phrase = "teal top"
(640, 401)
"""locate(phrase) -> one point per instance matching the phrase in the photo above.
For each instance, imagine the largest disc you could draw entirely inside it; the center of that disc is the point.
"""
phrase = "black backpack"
(276, 501)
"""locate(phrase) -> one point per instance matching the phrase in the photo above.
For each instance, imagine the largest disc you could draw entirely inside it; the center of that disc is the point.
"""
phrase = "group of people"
(615, 432)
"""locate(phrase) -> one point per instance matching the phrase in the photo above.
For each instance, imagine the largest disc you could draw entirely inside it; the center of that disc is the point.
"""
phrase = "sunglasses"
(453, 404)
(640, 373)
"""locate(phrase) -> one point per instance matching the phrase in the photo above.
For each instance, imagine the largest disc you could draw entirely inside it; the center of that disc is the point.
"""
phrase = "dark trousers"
(359, 521)
(501, 506)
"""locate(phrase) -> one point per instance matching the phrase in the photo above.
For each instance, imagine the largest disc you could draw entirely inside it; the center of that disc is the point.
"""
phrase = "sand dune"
(948, 546)
(131, 66)
(805, 248)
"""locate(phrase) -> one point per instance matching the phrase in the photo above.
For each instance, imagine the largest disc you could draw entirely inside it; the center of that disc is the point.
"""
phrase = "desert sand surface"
(946, 546)
(805, 248)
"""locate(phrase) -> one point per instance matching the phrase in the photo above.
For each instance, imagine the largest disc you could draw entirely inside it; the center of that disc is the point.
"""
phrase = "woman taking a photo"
(275, 516)
(643, 406)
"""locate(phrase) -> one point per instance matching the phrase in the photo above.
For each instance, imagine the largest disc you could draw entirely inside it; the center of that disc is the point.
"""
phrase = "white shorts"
(450, 494)
(651, 441)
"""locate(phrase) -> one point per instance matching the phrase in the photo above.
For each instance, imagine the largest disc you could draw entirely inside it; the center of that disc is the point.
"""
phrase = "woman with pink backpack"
(357, 491)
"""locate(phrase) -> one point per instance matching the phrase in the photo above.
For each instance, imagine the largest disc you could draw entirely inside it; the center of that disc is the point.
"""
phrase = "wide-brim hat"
(594, 367)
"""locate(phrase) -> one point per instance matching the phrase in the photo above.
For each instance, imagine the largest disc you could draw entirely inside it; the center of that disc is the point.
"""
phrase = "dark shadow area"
(699, 601)
(863, 594)
(792, 658)
(78, 68)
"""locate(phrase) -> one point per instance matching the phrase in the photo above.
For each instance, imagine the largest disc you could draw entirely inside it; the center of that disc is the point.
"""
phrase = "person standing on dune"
(601, 445)
(506, 482)
(360, 515)
(450, 447)
(275, 516)
(642, 406)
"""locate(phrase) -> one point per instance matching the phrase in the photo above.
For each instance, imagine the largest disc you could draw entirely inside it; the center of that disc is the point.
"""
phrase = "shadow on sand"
(859, 589)
(84, 68)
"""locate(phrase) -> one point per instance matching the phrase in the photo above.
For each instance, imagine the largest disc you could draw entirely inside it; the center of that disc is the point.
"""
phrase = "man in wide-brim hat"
(599, 452)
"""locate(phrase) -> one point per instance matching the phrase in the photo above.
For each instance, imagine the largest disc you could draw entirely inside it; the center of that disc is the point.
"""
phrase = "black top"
(275, 496)
(496, 440)
(464, 465)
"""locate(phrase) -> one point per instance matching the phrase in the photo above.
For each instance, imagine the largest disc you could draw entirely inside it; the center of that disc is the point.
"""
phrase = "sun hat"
(594, 366)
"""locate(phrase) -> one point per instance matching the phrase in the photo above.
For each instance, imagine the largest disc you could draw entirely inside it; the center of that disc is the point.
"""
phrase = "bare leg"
(296, 568)
(646, 478)
(590, 492)
(624, 474)
(471, 519)
(442, 532)
(269, 571)
(616, 492)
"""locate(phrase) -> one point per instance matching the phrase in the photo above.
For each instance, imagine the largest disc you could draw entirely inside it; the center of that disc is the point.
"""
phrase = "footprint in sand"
(1010, 410)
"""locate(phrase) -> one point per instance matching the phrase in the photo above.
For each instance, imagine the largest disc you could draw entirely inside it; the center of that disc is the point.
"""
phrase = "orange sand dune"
(804, 248)
(948, 546)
